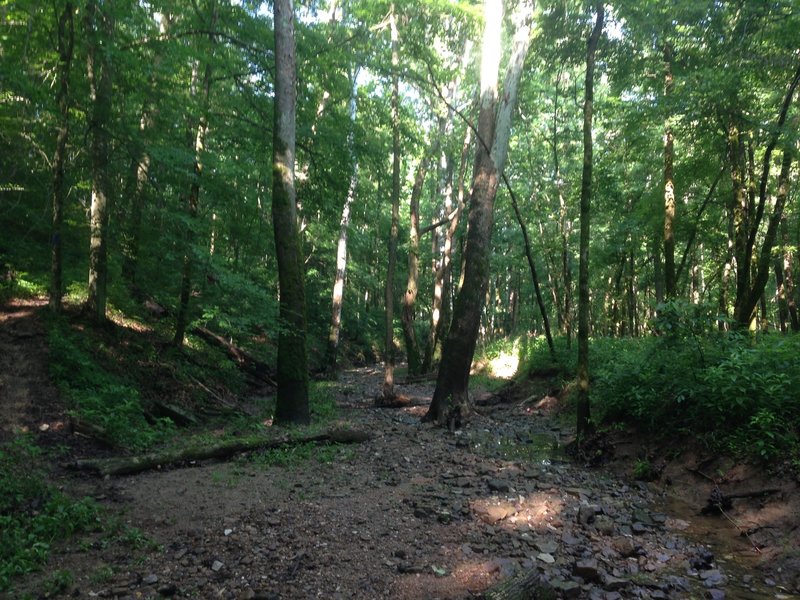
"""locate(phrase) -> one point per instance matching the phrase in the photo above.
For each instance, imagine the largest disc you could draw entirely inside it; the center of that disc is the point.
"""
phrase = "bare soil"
(413, 513)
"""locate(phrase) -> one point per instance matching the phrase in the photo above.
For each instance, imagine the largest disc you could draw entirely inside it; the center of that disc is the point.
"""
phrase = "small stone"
(227, 532)
(604, 525)
(216, 566)
(546, 546)
(546, 558)
(168, 590)
(613, 584)
(150, 579)
(625, 546)
(639, 528)
(586, 514)
(715, 594)
(713, 578)
(587, 569)
(499, 485)
(566, 589)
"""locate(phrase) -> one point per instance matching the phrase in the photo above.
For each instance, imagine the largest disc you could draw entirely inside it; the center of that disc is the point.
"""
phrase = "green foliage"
(104, 401)
(34, 515)
(322, 401)
(737, 392)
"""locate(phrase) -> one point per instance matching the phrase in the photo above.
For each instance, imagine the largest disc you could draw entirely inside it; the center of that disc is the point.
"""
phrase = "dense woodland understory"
(229, 204)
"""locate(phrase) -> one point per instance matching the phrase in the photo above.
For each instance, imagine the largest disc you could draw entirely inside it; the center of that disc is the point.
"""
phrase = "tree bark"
(669, 183)
(337, 296)
(451, 404)
(138, 175)
(584, 424)
(749, 212)
(387, 391)
(565, 225)
(534, 275)
(788, 270)
(66, 44)
(440, 313)
(292, 397)
(99, 32)
(408, 315)
(193, 199)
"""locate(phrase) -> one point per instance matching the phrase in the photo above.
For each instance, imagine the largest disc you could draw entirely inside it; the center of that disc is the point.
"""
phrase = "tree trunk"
(669, 184)
(408, 314)
(337, 297)
(565, 225)
(780, 294)
(788, 270)
(66, 44)
(747, 305)
(138, 175)
(193, 199)
(749, 213)
(292, 398)
(387, 392)
(584, 425)
(440, 313)
(534, 276)
(451, 402)
(99, 32)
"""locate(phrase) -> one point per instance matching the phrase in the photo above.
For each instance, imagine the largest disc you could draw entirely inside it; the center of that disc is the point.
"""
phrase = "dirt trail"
(414, 513)
(26, 395)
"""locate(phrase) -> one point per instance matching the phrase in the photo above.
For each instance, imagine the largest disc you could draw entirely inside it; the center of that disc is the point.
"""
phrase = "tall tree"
(99, 27)
(408, 315)
(749, 208)
(337, 296)
(387, 391)
(585, 426)
(292, 398)
(450, 403)
(66, 44)
(669, 182)
(198, 130)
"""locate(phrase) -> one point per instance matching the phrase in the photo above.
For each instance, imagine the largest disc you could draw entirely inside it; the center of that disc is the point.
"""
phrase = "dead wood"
(246, 361)
(717, 502)
(128, 465)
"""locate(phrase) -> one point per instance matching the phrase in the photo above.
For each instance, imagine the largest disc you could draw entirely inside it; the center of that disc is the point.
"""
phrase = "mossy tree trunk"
(292, 398)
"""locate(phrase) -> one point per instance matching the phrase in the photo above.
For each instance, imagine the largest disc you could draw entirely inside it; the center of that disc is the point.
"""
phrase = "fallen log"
(128, 465)
(247, 362)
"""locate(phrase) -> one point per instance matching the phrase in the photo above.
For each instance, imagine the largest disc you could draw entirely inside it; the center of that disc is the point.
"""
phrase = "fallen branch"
(128, 465)
(246, 361)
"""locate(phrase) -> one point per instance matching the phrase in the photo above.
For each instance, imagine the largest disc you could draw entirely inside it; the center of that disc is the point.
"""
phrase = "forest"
(231, 225)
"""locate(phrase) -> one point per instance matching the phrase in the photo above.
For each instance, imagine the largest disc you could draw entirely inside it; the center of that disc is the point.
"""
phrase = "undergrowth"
(33, 514)
(105, 402)
(735, 390)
